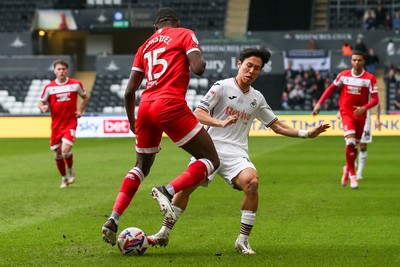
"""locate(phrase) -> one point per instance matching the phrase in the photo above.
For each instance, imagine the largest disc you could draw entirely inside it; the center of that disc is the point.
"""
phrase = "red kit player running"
(358, 94)
(164, 60)
(62, 96)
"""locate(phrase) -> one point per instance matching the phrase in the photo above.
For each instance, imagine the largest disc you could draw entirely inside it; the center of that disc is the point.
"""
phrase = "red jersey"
(62, 99)
(163, 59)
(355, 89)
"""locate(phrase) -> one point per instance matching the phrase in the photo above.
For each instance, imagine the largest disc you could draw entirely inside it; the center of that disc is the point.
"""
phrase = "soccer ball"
(132, 241)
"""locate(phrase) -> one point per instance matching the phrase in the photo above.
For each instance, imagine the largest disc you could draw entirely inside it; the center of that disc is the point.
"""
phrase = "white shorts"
(233, 160)
(367, 136)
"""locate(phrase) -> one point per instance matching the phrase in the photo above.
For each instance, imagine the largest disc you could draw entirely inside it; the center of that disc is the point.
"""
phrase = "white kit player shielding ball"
(228, 110)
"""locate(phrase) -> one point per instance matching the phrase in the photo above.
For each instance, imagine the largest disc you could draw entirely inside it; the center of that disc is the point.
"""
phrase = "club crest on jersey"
(253, 103)
(194, 38)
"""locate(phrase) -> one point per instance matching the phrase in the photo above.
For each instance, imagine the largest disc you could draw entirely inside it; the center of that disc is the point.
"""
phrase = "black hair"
(359, 53)
(165, 14)
(262, 53)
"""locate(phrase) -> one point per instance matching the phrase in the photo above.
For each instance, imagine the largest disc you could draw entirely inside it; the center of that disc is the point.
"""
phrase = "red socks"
(195, 173)
(351, 154)
(61, 166)
(69, 161)
(129, 186)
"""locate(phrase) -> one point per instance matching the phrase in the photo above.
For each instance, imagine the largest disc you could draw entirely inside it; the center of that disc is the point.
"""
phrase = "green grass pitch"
(305, 217)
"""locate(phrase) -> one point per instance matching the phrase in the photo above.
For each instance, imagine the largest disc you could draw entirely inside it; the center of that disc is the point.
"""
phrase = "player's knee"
(351, 141)
(250, 185)
(215, 163)
(253, 184)
(66, 154)
(210, 165)
(57, 155)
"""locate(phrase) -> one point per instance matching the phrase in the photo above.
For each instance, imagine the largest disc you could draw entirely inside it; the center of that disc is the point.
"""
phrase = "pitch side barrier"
(107, 126)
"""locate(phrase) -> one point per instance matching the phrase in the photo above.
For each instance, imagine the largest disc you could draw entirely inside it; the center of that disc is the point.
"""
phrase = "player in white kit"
(228, 110)
(365, 140)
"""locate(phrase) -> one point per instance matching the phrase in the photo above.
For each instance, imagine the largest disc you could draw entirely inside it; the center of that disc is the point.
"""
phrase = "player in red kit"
(165, 60)
(359, 93)
(61, 96)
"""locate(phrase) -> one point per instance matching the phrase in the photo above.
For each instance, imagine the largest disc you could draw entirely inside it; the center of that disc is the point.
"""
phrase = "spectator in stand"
(308, 80)
(387, 22)
(317, 88)
(360, 45)
(347, 49)
(285, 101)
(372, 61)
(290, 73)
(397, 75)
(296, 97)
(289, 87)
(397, 99)
(390, 49)
(369, 19)
(380, 14)
(388, 76)
(312, 44)
(396, 22)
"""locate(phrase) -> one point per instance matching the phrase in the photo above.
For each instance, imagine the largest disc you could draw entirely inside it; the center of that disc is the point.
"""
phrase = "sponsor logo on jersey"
(116, 126)
(241, 114)
(354, 90)
(232, 97)
(61, 97)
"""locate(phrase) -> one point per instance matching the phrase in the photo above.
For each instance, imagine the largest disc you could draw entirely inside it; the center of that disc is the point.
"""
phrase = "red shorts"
(352, 125)
(66, 135)
(172, 116)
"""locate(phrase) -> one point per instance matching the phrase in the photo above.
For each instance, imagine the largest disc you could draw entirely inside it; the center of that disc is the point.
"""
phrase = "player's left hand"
(378, 124)
(78, 114)
(318, 130)
(359, 110)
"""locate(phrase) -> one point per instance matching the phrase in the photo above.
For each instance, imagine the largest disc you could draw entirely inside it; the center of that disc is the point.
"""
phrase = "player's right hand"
(44, 108)
(316, 110)
(230, 120)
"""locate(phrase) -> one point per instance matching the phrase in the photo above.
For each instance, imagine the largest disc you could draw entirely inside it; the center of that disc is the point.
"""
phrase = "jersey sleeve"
(81, 89)
(138, 61)
(45, 94)
(265, 113)
(374, 86)
(338, 80)
(212, 97)
(190, 42)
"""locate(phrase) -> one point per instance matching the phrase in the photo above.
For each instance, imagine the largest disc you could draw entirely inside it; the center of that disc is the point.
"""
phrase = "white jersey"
(225, 98)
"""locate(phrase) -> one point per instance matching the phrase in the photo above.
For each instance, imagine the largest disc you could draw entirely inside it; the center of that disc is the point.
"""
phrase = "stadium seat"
(108, 109)
(203, 83)
(194, 83)
(119, 110)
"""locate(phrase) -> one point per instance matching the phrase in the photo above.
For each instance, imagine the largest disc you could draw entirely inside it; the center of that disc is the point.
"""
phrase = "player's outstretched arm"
(286, 130)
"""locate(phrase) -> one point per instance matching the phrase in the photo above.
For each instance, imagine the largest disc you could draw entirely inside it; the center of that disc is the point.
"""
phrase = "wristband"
(303, 133)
